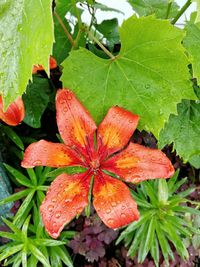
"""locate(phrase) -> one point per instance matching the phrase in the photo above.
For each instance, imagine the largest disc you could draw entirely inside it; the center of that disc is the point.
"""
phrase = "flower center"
(95, 164)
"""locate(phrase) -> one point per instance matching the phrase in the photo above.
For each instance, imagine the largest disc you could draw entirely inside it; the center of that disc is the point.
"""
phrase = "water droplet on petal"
(79, 210)
(37, 162)
(118, 201)
(54, 224)
(110, 221)
(57, 215)
(62, 101)
(50, 208)
(69, 97)
(123, 215)
(108, 211)
(123, 207)
(113, 204)
(65, 109)
(53, 199)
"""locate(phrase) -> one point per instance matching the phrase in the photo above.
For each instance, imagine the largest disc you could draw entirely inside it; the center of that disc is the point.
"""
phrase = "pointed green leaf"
(192, 44)
(154, 249)
(48, 242)
(157, 7)
(13, 136)
(162, 191)
(36, 100)
(182, 130)
(38, 255)
(15, 196)
(32, 43)
(64, 255)
(10, 251)
(145, 246)
(141, 78)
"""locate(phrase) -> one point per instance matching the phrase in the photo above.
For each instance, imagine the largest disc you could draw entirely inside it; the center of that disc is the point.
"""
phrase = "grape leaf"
(36, 100)
(183, 130)
(148, 77)
(192, 44)
(157, 7)
(26, 33)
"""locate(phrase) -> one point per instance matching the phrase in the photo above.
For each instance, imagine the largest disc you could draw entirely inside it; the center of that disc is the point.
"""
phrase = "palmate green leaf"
(183, 130)
(26, 39)
(157, 7)
(192, 44)
(36, 100)
(141, 78)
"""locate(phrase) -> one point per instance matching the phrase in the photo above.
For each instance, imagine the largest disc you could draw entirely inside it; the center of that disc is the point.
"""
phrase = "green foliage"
(26, 39)
(5, 191)
(62, 45)
(36, 100)
(34, 190)
(192, 43)
(162, 220)
(157, 7)
(29, 245)
(109, 29)
(183, 130)
(138, 78)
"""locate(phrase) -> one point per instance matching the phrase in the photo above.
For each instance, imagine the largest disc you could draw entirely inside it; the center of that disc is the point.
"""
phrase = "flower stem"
(168, 9)
(107, 52)
(64, 28)
(181, 11)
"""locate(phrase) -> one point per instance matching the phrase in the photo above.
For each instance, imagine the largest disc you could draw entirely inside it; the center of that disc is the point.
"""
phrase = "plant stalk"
(168, 10)
(64, 28)
(107, 52)
(181, 11)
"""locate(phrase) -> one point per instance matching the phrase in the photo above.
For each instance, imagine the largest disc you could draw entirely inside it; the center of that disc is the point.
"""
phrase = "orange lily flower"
(52, 65)
(15, 112)
(97, 150)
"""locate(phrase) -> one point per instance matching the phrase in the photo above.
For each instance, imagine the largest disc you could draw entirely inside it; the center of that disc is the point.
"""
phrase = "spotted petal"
(115, 130)
(138, 163)
(67, 196)
(75, 124)
(113, 201)
(14, 114)
(45, 153)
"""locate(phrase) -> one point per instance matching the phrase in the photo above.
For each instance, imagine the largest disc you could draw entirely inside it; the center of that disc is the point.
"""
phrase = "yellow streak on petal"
(111, 138)
(79, 133)
(127, 162)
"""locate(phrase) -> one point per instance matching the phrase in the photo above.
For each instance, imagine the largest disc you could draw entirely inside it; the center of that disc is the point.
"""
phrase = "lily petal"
(113, 201)
(138, 163)
(43, 153)
(115, 130)
(15, 112)
(67, 196)
(75, 124)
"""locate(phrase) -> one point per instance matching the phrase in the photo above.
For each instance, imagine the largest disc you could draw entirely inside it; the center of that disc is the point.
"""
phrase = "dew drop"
(65, 109)
(57, 215)
(54, 224)
(50, 208)
(113, 204)
(53, 199)
(79, 210)
(118, 201)
(108, 211)
(123, 207)
(123, 215)
(110, 221)
(69, 97)
(62, 101)
(37, 162)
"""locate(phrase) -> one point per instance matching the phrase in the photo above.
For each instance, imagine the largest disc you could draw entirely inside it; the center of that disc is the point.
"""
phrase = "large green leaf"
(148, 77)
(26, 33)
(157, 7)
(192, 43)
(36, 100)
(183, 130)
